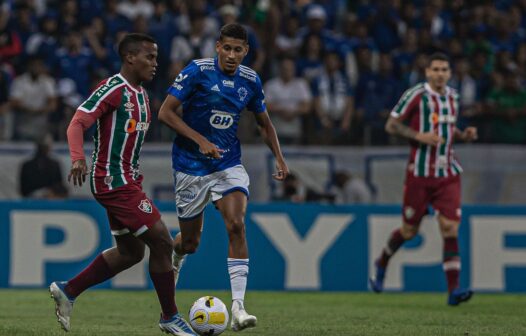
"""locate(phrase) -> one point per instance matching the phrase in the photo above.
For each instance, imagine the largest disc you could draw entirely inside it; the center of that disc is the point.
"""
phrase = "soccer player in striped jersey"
(120, 107)
(430, 111)
(206, 155)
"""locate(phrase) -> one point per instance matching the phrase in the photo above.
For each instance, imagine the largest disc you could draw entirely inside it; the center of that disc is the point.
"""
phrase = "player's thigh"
(230, 195)
(416, 200)
(192, 194)
(446, 198)
(129, 210)
(130, 246)
(157, 237)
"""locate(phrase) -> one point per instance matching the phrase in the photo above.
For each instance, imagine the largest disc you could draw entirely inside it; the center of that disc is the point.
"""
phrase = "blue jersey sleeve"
(257, 102)
(185, 82)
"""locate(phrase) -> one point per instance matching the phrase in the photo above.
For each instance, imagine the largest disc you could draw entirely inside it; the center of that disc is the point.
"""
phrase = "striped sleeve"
(105, 98)
(407, 102)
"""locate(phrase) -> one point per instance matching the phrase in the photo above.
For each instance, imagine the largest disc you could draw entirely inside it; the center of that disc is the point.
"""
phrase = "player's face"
(230, 53)
(145, 63)
(438, 74)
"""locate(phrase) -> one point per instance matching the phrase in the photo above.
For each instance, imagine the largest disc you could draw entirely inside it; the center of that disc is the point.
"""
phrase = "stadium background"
(379, 49)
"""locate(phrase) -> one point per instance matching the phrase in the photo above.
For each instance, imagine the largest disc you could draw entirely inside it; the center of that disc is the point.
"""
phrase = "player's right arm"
(408, 104)
(85, 116)
(183, 86)
(168, 115)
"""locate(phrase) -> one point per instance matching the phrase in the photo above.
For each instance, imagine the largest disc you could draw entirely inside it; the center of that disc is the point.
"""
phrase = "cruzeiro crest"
(242, 92)
(145, 206)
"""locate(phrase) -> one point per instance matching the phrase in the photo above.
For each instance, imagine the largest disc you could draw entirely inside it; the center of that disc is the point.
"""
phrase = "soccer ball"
(208, 316)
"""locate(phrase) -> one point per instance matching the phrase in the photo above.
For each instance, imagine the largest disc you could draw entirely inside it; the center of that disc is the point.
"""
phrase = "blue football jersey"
(212, 105)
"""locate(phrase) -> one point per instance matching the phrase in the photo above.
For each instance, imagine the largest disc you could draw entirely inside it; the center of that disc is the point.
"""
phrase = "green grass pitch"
(107, 312)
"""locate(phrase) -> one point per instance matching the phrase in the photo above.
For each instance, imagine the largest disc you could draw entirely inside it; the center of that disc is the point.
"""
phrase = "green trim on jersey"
(445, 134)
(143, 116)
(118, 143)
(98, 95)
(425, 123)
(407, 98)
(95, 156)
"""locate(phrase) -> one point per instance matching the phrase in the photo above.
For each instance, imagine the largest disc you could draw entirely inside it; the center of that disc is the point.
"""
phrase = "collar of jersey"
(216, 64)
(127, 83)
(434, 93)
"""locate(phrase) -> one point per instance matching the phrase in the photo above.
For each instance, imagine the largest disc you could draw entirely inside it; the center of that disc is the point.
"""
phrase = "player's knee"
(409, 231)
(236, 228)
(133, 257)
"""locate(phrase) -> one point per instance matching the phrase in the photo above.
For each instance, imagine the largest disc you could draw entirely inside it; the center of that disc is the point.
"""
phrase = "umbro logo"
(215, 88)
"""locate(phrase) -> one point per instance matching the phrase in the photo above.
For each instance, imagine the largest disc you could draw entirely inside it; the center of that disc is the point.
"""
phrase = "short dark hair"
(438, 56)
(130, 44)
(234, 30)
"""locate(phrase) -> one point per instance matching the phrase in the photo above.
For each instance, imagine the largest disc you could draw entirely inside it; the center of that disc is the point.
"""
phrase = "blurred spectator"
(44, 42)
(507, 109)
(293, 190)
(256, 55)
(333, 103)
(5, 117)
(288, 100)
(195, 45)
(288, 42)
(41, 176)
(33, 96)
(376, 95)
(76, 61)
(135, 8)
(310, 63)
(114, 20)
(349, 189)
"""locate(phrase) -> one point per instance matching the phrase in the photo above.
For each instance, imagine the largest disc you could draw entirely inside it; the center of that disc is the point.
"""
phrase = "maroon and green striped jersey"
(425, 110)
(123, 119)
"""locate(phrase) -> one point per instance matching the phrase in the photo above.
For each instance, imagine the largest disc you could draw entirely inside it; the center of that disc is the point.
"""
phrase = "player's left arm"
(268, 133)
(469, 134)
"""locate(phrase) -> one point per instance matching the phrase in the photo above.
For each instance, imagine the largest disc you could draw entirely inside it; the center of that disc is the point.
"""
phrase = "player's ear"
(246, 49)
(218, 46)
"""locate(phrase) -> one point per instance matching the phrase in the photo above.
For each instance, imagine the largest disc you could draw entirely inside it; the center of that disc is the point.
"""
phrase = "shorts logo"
(108, 180)
(187, 196)
(242, 92)
(145, 206)
(409, 212)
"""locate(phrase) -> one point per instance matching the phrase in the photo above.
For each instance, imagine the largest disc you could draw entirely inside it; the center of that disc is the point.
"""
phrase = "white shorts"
(192, 193)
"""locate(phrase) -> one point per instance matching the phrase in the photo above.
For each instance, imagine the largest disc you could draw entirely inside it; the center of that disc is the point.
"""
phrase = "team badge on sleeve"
(145, 206)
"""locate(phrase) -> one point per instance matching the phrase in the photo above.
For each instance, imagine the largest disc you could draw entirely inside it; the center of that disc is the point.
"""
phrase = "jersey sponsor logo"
(133, 126)
(221, 120)
(180, 78)
(443, 119)
(145, 206)
(206, 67)
(215, 88)
(228, 83)
(102, 90)
(242, 92)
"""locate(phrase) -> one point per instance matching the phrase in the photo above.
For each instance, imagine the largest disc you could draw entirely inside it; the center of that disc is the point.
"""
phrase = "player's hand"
(209, 149)
(78, 172)
(429, 138)
(281, 171)
(470, 134)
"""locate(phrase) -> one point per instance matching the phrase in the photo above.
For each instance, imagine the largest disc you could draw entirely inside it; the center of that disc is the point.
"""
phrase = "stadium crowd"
(332, 69)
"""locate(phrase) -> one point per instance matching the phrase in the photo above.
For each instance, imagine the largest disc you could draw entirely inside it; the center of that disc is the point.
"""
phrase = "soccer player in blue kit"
(206, 155)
